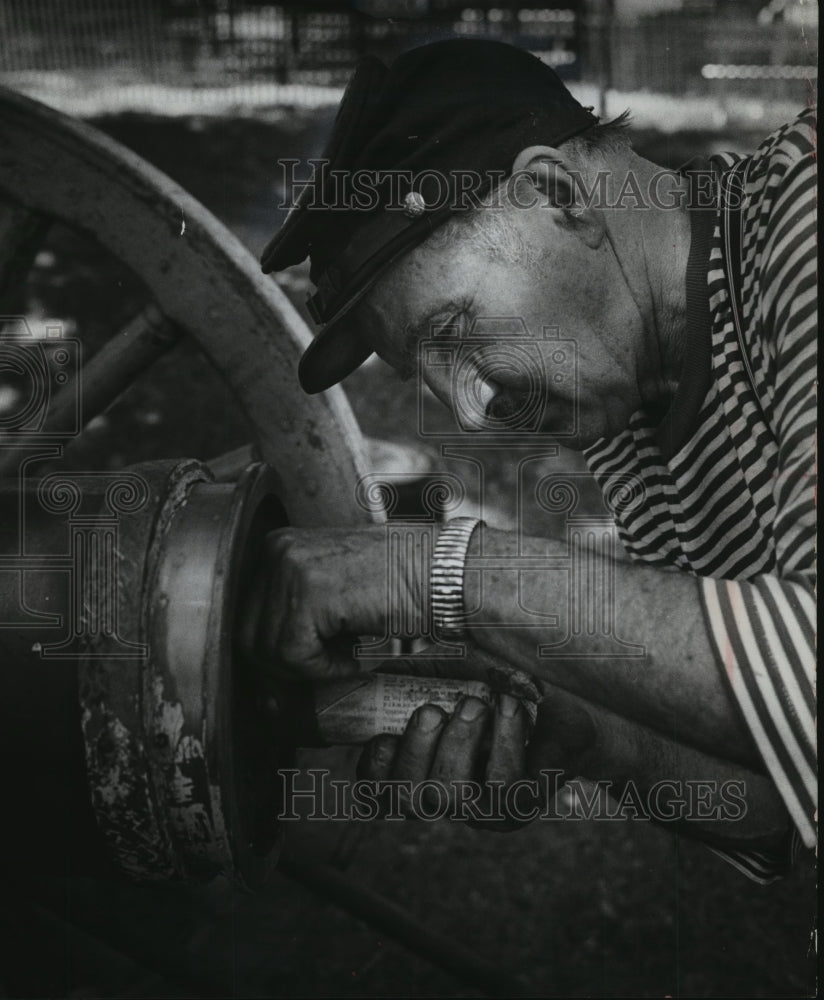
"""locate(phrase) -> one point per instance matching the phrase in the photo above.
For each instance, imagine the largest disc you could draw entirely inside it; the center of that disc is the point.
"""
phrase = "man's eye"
(446, 328)
(460, 323)
(456, 324)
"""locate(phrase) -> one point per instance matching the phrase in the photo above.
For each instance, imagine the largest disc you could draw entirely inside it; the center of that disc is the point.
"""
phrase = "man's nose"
(487, 392)
(475, 395)
(477, 398)
(504, 404)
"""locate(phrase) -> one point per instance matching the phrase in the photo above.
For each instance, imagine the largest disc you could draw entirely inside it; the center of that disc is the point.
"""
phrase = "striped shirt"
(728, 475)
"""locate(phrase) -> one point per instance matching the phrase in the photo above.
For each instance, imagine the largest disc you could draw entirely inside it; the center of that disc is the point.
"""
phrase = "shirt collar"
(679, 422)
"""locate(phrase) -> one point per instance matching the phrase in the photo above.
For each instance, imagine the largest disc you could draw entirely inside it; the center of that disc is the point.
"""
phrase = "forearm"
(674, 687)
(681, 787)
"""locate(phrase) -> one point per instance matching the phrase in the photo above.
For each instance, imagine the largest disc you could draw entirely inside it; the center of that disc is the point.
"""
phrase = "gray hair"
(490, 231)
(611, 137)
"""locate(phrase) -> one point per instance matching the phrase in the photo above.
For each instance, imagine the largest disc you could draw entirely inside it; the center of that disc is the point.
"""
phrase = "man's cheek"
(440, 385)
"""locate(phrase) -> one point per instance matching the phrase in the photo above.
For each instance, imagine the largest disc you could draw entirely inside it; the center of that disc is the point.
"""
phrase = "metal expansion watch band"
(446, 575)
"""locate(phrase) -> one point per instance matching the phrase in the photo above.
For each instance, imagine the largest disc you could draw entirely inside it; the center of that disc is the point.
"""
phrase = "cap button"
(414, 205)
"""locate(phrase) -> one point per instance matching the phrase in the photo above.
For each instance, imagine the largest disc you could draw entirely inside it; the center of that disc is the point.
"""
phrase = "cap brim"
(334, 353)
(338, 349)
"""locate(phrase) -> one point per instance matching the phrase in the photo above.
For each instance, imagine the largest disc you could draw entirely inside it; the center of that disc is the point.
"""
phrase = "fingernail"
(428, 718)
(471, 709)
(382, 751)
(508, 706)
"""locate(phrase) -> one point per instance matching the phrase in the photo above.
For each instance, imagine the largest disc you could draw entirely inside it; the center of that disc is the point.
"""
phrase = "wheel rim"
(203, 280)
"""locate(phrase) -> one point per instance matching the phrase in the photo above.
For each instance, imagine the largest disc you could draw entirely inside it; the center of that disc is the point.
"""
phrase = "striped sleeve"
(763, 629)
(763, 634)
(763, 867)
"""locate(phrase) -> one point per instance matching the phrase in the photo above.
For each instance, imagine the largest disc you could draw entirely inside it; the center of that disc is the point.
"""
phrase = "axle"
(128, 586)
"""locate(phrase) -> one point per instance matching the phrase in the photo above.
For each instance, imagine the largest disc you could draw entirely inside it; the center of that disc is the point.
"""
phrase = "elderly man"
(465, 183)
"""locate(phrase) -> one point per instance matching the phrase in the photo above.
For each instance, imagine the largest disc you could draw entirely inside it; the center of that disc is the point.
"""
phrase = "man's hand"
(477, 748)
(316, 592)
(570, 738)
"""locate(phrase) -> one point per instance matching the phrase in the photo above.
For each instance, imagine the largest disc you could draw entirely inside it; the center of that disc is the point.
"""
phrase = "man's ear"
(559, 187)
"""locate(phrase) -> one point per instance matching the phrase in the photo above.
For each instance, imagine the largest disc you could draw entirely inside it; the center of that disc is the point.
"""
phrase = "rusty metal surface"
(112, 694)
(175, 751)
(202, 278)
(179, 774)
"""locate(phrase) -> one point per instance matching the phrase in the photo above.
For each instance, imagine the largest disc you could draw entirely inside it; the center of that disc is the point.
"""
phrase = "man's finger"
(456, 758)
(419, 744)
(329, 659)
(507, 757)
(255, 639)
(378, 758)
(271, 618)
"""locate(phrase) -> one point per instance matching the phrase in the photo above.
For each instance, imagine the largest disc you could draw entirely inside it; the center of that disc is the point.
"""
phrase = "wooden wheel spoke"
(114, 367)
(106, 376)
(22, 232)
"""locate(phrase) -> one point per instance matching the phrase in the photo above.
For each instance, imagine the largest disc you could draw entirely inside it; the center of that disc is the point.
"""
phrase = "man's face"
(533, 269)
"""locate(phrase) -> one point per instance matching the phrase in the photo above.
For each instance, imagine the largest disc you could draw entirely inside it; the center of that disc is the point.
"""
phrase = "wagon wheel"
(203, 284)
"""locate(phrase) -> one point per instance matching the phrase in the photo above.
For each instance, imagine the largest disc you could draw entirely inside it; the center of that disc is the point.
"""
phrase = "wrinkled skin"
(613, 281)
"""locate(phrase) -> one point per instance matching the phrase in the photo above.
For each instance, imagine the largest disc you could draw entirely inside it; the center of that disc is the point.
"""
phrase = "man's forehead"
(417, 286)
(411, 309)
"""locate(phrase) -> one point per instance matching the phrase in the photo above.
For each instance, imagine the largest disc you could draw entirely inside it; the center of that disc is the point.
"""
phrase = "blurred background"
(215, 93)
(206, 55)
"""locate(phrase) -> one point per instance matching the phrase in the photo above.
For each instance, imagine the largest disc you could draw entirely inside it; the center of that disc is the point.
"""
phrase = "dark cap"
(411, 145)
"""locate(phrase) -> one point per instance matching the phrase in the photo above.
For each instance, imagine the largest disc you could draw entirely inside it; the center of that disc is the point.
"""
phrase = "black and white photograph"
(408, 498)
